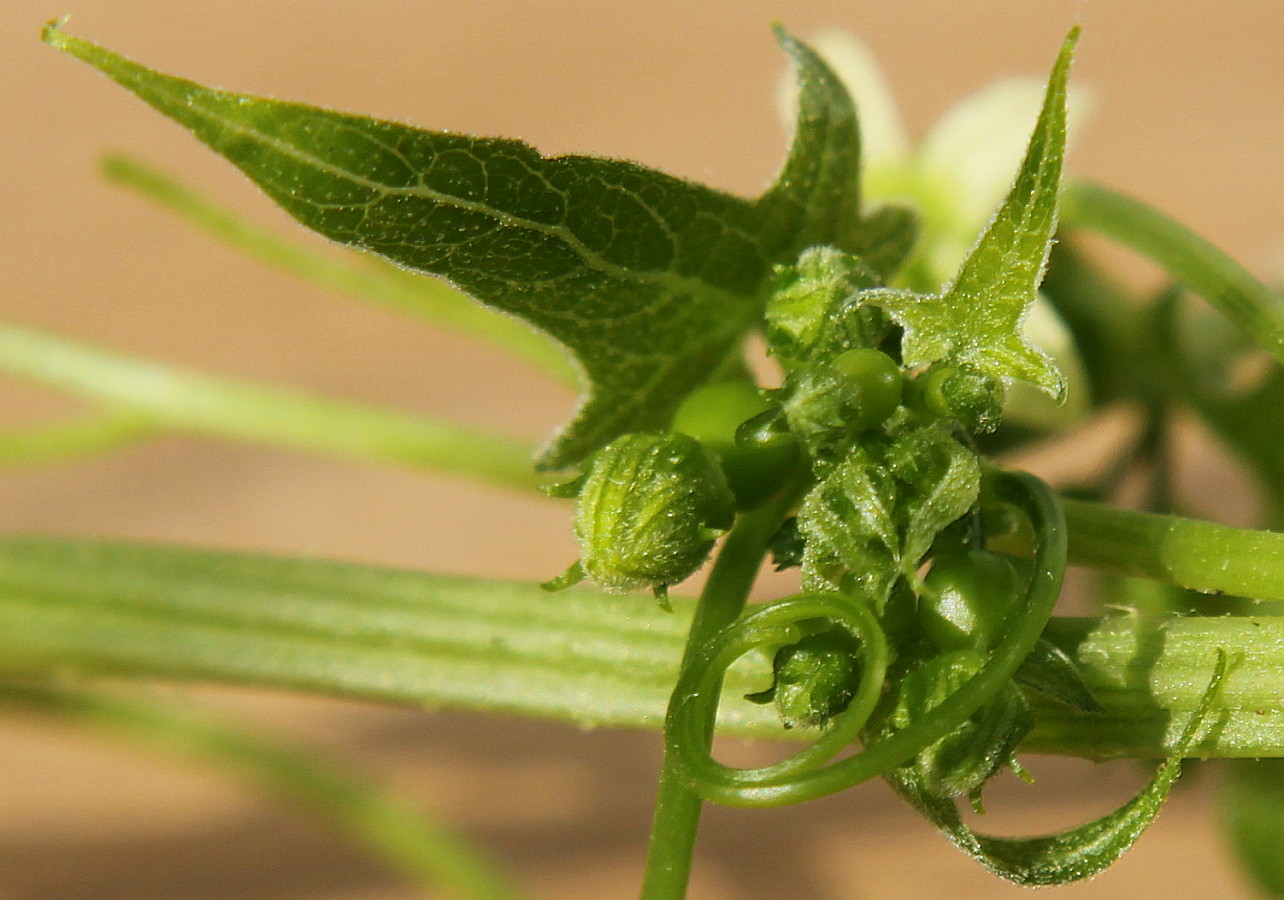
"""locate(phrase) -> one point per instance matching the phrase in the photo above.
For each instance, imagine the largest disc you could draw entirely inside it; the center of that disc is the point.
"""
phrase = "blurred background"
(1187, 116)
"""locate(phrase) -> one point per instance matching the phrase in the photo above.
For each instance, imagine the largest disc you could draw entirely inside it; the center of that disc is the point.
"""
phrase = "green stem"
(583, 657)
(1022, 633)
(677, 806)
(361, 275)
(425, 852)
(67, 440)
(1189, 258)
(1201, 556)
(185, 400)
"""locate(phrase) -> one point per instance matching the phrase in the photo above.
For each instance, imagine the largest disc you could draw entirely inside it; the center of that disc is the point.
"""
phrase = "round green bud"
(967, 599)
(878, 379)
(958, 392)
(754, 464)
(815, 678)
(649, 510)
(827, 405)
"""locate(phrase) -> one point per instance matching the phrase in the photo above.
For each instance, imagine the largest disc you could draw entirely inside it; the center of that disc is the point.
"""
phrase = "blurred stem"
(65, 440)
(185, 400)
(1186, 256)
(1190, 553)
(426, 852)
(361, 275)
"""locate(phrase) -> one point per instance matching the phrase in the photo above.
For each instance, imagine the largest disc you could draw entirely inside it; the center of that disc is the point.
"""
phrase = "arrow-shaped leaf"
(651, 281)
(977, 319)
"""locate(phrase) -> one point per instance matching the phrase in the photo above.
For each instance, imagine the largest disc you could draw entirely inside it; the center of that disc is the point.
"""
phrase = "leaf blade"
(648, 279)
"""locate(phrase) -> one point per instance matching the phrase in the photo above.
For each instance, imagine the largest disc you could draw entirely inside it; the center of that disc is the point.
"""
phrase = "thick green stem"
(1201, 556)
(174, 398)
(677, 806)
(584, 657)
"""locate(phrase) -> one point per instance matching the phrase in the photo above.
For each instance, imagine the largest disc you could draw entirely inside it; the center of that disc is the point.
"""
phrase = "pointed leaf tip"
(977, 320)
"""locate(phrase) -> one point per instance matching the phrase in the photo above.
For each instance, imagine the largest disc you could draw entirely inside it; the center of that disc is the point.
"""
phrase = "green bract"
(649, 510)
(813, 313)
(814, 679)
(976, 320)
(961, 762)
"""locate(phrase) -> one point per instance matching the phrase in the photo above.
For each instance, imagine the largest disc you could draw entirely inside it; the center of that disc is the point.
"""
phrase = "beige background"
(1188, 116)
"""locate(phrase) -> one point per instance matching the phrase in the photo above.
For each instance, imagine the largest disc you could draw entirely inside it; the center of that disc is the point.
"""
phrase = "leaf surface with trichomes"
(976, 320)
(650, 280)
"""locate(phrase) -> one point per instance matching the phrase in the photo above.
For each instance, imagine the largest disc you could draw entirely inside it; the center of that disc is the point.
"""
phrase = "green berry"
(755, 463)
(878, 381)
(967, 598)
(958, 392)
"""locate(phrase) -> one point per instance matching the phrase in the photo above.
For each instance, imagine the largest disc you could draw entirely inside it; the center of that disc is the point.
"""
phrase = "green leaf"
(648, 279)
(1076, 853)
(976, 321)
(651, 281)
(817, 194)
(818, 190)
(370, 278)
(1253, 807)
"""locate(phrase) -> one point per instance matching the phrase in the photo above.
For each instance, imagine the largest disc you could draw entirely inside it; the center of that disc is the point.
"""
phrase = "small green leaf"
(977, 319)
(1077, 853)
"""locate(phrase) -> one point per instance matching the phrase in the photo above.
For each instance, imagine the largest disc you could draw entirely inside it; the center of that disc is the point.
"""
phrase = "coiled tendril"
(809, 773)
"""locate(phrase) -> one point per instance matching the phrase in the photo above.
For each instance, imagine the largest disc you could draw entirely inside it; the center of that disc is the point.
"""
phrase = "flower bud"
(814, 679)
(649, 511)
